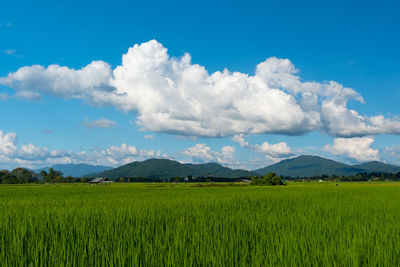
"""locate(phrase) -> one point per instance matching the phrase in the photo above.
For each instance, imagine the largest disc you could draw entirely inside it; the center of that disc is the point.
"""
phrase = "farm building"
(100, 181)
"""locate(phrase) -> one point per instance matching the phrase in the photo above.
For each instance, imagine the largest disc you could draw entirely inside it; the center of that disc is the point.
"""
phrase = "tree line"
(24, 176)
(361, 177)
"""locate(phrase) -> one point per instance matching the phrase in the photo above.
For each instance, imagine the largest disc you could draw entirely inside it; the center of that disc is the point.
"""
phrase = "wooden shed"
(100, 181)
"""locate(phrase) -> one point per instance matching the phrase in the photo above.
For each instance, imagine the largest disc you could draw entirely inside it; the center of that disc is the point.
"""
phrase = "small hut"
(100, 181)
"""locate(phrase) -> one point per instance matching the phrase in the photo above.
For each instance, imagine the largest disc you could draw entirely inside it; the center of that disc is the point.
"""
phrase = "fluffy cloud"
(10, 153)
(90, 83)
(173, 95)
(279, 150)
(100, 123)
(342, 122)
(391, 154)
(357, 148)
(272, 152)
(28, 95)
(201, 153)
(239, 138)
(393, 151)
(125, 154)
(29, 155)
(8, 143)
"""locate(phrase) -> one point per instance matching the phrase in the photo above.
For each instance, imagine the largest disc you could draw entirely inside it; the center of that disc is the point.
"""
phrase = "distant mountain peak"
(310, 165)
(301, 166)
(166, 168)
(76, 170)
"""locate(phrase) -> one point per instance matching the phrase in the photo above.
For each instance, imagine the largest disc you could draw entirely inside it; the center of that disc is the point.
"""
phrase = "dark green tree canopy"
(268, 179)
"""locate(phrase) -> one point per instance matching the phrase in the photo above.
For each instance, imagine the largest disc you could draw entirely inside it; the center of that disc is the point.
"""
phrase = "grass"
(302, 224)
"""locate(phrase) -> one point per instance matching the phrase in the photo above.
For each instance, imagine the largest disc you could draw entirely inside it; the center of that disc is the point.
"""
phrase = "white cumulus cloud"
(357, 148)
(8, 143)
(278, 150)
(100, 123)
(30, 155)
(201, 153)
(173, 95)
(90, 83)
(28, 95)
(126, 153)
(272, 152)
(393, 151)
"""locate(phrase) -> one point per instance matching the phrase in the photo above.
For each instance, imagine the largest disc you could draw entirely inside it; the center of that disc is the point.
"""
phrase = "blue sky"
(328, 83)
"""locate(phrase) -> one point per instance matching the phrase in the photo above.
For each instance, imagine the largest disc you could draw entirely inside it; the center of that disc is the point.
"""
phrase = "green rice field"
(304, 224)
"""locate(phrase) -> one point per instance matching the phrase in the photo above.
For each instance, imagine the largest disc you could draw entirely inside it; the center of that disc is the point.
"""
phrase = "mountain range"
(306, 166)
(75, 170)
(301, 166)
(165, 168)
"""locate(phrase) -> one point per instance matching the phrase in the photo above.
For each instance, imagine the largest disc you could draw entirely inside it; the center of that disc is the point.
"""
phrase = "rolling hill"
(376, 166)
(165, 168)
(302, 166)
(75, 170)
(306, 166)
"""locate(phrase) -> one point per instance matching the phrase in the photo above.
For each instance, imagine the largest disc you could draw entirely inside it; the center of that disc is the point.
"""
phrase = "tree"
(23, 175)
(268, 179)
(4, 176)
(69, 179)
(52, 176)
(272, 179)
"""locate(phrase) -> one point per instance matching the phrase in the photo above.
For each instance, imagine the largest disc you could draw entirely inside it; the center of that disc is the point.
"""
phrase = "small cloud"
(100, 123)
(149, 136)
(47, 131)
(9, 52)
(356, 148)
(239, 138)
(201, 153)
(32, 156)
(28, 95)
(188, 137)
(273, 152)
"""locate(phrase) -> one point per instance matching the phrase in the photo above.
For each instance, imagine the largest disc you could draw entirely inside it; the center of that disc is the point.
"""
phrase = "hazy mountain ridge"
(306, 166)
(165, 168)
(75, 170)
(373, 166)
(301, 166)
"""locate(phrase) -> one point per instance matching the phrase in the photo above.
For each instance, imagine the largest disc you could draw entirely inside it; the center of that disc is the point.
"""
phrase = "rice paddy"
(315, 224)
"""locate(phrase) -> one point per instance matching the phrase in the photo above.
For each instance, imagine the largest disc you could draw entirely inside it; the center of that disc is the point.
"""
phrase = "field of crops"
(316, 224)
